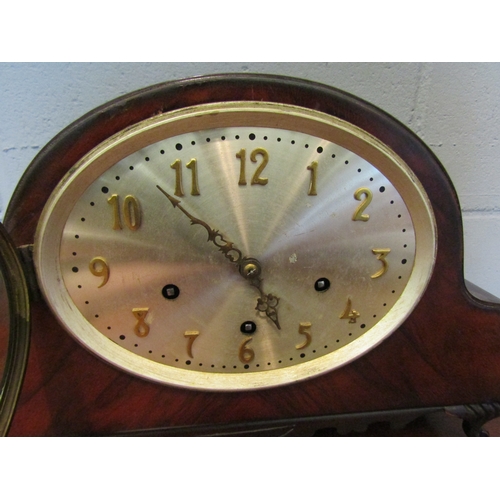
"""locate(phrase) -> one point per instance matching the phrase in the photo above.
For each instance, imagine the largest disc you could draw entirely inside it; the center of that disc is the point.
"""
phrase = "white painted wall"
(452, 107)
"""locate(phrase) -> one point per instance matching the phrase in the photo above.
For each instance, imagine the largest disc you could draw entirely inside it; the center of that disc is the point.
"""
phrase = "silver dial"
(248, 247)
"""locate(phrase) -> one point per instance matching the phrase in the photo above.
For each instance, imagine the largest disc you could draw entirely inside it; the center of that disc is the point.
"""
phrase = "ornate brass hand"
(249, 268)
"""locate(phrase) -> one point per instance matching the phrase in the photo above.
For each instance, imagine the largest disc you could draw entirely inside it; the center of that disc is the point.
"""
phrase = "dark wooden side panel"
(446, 353)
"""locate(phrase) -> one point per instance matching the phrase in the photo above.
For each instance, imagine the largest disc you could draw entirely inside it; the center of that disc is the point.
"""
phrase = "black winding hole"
(147, 158)
(382, 189)
(248, 327)
(319, 150)
(188, 362)
(131, 167)
(75, 269)
(251, 137)
(170, 291)
(404, 261)
(178, 146)
(105, 190)
(322, 284)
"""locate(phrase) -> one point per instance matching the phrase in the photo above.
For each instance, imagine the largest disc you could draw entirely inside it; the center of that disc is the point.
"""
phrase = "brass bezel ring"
(214, 115)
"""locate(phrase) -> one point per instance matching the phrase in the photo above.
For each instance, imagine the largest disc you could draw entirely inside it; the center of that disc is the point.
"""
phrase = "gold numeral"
(313, 167)
(242, 155)
(256, 178)
(179, 188)
(113, 201)
(304, 330)
(358, 195)
(177, 166)
(349, 313)
(131, 212)
(141, 328)
(195, 189)
(246, 353)
(99, 267)
(381, 254)
(191, 336)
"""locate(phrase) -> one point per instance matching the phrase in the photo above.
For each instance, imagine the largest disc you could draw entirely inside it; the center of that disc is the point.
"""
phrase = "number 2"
(368, 196)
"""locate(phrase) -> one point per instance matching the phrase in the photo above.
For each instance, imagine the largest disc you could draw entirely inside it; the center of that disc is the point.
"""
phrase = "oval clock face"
(235, 246)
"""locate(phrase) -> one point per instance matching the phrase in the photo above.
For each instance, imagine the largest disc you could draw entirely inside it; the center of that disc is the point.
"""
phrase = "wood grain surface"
(446, 353)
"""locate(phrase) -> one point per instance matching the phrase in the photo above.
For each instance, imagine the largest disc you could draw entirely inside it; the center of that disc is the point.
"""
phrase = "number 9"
(99, 267)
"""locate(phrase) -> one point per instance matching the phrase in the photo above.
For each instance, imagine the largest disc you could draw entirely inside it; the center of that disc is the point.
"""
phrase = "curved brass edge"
(214, 115)
(19, 330)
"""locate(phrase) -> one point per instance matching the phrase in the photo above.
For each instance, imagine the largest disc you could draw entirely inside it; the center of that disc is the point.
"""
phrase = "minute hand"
(226, 247)
(249, 268)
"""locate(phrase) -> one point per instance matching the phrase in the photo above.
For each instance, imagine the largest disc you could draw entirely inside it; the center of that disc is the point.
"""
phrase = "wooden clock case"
(446, 354)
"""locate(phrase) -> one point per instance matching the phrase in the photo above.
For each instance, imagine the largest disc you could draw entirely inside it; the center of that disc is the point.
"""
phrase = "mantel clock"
(239, 251)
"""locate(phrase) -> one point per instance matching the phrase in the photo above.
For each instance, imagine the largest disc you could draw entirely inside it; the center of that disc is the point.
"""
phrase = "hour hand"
(251, 269)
